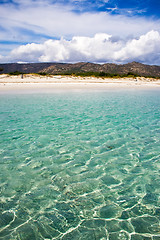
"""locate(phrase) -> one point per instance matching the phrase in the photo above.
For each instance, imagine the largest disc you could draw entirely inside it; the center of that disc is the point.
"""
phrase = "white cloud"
(27, 52)
(146, 48)
(99, 48)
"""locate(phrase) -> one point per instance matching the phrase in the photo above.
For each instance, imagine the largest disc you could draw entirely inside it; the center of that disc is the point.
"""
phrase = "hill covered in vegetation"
(83, 69)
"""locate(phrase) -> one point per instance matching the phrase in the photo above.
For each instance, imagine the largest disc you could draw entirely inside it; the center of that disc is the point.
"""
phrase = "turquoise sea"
(80, 165)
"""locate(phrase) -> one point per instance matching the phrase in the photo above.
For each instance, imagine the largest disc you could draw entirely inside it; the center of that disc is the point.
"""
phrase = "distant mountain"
(24, 67)
(82, 67)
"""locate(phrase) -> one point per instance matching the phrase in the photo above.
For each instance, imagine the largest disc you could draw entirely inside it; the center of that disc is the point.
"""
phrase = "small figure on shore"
(22, 76)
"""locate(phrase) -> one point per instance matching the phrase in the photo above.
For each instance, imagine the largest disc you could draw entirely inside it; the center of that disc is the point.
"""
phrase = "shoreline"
(54, 83)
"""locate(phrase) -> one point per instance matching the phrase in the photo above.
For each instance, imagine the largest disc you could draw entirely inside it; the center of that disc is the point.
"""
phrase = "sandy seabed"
(36, 83)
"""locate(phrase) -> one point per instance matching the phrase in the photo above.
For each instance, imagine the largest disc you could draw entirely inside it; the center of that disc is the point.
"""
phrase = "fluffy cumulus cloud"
(99, 48)
(145, 49)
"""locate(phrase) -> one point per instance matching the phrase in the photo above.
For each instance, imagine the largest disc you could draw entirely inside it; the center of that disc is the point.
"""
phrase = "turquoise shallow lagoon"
(80, 165)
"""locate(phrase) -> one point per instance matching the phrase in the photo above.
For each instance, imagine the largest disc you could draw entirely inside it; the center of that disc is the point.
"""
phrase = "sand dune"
(31, 81)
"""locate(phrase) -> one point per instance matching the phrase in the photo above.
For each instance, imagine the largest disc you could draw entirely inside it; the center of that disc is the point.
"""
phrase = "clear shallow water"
(80, 166)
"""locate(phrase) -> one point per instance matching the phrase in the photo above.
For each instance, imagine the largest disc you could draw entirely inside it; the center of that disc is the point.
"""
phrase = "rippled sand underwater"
(80, 166)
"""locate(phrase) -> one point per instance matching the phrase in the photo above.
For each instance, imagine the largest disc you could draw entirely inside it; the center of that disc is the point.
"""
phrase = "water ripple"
(80, 166)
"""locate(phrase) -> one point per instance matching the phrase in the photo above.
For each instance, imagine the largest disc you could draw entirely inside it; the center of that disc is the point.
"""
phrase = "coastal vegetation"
(15, 73)
(99, 74)
(43, 73)
(86, 74)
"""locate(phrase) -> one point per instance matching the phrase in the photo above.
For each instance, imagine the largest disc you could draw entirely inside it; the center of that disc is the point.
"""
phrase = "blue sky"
(78, 30)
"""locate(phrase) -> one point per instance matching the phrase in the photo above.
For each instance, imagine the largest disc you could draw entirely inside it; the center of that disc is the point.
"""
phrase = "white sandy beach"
(51, 83)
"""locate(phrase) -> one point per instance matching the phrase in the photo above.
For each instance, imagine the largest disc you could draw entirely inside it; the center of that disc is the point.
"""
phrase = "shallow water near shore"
(80, 165)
